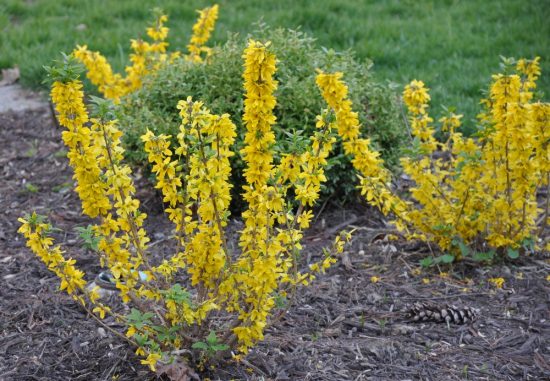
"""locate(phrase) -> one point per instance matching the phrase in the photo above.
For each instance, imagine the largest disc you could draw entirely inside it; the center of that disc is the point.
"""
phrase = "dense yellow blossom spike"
(513, 143)
(208, 182)
(375, 179)
(259, 262)
(312, 162)
(258, 112)
(159, 32)
(416, 98)
(530, 70)
(201, 33)
(100, 73)
(68, 99)
(121, 233)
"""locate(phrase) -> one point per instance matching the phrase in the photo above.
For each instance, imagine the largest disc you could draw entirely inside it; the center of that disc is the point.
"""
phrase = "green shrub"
(219, 85)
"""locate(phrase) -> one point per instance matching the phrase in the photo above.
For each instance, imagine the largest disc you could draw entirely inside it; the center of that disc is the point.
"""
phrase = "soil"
(346, 326)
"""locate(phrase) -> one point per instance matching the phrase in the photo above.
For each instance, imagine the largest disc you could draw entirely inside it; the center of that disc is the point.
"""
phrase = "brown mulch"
(344, 327)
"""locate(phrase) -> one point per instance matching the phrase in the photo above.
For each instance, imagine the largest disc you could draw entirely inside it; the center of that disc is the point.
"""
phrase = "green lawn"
(454, 46)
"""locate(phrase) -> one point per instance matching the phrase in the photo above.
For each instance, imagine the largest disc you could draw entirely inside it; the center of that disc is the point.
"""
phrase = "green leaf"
(87, 234)
(102, 108)
(212, 338)
(443, 228)
(280, 301)
(31, 188)
(528, 243)
(220, 347)
(427, 262)
(141, 340)
(178, 294)
(65, 70)
(137, 319)
(480, 257)
(165, 333)
(200, 345)
(512, 253)
(464, 250)
(447, 258)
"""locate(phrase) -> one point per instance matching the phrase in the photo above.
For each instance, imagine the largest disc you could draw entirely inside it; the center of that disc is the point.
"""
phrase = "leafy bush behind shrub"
(218, 83)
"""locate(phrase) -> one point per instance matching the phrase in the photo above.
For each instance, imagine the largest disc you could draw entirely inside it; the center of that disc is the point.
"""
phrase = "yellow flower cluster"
(100, 73)
(159, 32)
(270, 240)
(248, 285)
(416, 98)
(515, 147)
(36, 230)
(260, 263)
(103, 182)
(465, 189)
(201, 34)
(147, 57)
(123, 239)
(307, 171)
(68, 99)
(487, 188)
(375, 179)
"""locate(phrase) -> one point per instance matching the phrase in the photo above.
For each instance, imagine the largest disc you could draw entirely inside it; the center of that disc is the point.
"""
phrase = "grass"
(454, 46)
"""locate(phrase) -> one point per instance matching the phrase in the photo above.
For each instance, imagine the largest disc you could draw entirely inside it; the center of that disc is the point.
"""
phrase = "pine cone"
(441, 313)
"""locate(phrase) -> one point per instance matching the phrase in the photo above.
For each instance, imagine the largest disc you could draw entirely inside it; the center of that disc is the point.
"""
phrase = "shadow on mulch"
(346, 326)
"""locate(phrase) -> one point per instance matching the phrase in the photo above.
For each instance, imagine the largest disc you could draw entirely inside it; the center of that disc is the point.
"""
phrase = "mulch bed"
(344, 327)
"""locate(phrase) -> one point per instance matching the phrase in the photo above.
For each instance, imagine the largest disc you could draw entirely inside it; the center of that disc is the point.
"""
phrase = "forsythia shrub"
(204, 297)
(471, 196)
(217, 83)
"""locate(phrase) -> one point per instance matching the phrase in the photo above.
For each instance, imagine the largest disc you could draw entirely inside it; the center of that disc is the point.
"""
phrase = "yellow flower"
(101, 310)
(152, 360)
(131, 331)
(374, 279)
(497, 282)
